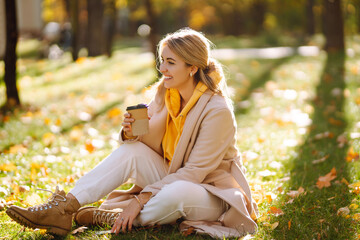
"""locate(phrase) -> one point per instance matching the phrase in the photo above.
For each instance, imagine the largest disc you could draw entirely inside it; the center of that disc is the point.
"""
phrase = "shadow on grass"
(259, 82)
(313, 215)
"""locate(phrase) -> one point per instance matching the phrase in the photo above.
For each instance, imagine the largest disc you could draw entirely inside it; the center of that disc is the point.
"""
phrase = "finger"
(127, 115)
(117, 225)
(124, 224)
(129, 120)
(115, 228)
(130, 223)
(126, 124)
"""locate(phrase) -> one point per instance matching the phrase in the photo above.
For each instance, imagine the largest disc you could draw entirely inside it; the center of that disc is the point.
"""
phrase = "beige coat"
(206, 154)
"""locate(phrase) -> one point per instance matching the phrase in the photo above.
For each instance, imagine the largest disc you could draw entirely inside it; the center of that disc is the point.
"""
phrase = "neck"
(186, 94)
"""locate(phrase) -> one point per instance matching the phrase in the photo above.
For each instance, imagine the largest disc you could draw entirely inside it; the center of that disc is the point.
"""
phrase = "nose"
(162, 68)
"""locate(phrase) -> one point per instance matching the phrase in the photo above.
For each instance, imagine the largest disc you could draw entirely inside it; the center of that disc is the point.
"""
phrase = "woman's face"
(175, 71)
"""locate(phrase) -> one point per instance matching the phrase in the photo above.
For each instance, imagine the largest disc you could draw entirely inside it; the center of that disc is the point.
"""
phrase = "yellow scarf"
(176, 119)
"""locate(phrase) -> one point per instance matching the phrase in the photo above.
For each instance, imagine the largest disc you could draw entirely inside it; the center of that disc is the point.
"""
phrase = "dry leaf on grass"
(324, 135)
(296, 193)
(355, 187)
(352, 155)
(79, 230)
(8, 167)
(276, 211)
(188, 231)
(356, 217)
(343, 211)
(325, 181)
(272, 226)
(320, 160)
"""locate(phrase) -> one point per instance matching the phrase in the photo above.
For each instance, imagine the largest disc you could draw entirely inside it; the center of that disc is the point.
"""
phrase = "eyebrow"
(169, 58)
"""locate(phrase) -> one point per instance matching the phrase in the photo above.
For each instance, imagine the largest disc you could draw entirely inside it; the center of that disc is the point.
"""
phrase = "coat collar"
(188, 129)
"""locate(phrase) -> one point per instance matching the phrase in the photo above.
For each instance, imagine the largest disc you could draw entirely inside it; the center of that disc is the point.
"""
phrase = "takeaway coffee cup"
(141, 124)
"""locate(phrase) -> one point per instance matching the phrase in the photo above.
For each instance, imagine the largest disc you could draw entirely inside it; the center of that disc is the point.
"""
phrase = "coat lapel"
(188, 129)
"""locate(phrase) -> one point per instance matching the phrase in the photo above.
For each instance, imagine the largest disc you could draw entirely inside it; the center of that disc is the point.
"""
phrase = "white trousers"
(140, 163)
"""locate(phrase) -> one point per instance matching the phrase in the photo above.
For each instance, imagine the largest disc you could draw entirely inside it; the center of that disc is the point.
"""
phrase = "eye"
(171, 63)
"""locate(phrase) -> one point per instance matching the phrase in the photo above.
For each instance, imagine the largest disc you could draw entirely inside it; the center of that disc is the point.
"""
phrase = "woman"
(186, 167)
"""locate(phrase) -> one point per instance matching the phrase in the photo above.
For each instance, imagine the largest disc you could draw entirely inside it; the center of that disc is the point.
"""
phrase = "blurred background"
(98, 27)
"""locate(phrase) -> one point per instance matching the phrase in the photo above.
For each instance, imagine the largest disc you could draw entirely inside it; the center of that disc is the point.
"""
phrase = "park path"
(264, 53)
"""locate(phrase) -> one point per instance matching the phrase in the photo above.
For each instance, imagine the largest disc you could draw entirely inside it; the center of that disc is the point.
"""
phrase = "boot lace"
(101, 217)
(53, 200)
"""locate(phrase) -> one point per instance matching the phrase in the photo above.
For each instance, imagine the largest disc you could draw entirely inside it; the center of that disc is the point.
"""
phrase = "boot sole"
(27, 223)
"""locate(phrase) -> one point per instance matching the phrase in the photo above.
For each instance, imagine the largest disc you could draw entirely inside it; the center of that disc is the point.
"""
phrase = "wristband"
(126, 136)
(141, 205)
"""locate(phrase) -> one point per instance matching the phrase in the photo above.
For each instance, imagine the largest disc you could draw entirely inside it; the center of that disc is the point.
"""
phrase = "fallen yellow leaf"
(115, 112)
(355, 187)
(80, 60)
(356, 217)
(89, 147)
(294, 193)
(353, 206)
(16, 149)
(47, 121)
(76, 134)
(343, 180)
(274, 225)
(352, 155)
(325, 181)
(276, 211)
(7, 167)
(35, 168)
(16, 188)
(48, 138)
(58, 122)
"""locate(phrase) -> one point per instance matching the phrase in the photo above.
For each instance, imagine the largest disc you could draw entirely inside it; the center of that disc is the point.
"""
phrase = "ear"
(194, 69)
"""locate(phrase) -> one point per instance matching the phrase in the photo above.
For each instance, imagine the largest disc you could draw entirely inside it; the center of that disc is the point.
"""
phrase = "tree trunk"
(333, 25)
(357, 7)
(153, 33)
(12, 95)
(110, 26)
(95, 27)
(258, 11)
(74, 16)
(310, 18)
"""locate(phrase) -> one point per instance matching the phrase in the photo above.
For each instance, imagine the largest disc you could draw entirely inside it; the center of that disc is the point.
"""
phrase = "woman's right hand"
(127, 124)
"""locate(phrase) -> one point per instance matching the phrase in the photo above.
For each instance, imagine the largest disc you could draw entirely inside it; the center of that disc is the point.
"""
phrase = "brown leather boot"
(55, 215)
(90, 216)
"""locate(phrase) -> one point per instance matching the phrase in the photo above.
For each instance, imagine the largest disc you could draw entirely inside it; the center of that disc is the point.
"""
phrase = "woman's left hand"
(126, 218)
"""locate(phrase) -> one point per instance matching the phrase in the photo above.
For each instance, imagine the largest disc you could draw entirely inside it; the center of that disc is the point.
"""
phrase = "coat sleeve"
(215, 135)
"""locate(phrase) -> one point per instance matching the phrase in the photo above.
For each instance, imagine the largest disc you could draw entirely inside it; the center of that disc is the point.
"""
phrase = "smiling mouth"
(167, 78)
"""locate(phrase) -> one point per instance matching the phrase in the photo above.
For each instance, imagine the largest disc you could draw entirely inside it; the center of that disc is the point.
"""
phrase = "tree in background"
(12, 95)
(258, 11)
(310, 17)
(73, 10)
(95, 31)
(333, 25)
(110, 15)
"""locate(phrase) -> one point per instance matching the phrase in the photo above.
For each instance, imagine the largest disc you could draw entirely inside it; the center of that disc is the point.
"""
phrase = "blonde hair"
(194, 49)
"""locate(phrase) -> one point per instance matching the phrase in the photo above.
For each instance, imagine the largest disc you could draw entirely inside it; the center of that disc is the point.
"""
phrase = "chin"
(167, 85)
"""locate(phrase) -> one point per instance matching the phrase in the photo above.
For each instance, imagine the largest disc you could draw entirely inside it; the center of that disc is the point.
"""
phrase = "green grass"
(71, 116)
